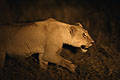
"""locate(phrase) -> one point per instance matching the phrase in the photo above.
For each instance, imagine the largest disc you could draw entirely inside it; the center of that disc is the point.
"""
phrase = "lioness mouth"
(83, 48)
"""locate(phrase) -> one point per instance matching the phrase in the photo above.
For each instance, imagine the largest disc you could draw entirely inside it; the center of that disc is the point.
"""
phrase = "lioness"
(43, 37)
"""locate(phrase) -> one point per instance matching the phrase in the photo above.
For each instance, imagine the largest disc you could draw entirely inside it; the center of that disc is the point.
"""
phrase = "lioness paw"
(72, 68)
(68, 64)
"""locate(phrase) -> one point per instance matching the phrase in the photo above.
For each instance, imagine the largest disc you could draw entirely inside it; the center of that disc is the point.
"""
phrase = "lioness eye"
(84, 35)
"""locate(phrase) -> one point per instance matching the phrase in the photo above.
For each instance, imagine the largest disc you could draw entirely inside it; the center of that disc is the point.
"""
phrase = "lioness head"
(80, 37)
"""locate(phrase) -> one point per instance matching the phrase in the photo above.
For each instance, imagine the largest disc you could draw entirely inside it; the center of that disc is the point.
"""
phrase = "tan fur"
(43, 37)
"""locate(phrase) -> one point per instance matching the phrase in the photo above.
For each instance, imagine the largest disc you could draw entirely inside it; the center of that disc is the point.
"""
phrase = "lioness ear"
(73, 30)
(78, 24)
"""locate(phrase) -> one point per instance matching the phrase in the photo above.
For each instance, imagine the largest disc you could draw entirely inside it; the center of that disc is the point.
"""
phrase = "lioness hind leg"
(43, 63)
(2, 59)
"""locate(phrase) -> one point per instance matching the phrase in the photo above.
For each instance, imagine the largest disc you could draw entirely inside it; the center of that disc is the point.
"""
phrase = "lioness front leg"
(60, 61)
(52, 56)
(67, 64)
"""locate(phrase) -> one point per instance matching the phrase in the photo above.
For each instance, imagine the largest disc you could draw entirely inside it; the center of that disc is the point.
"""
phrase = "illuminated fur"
(44, 37)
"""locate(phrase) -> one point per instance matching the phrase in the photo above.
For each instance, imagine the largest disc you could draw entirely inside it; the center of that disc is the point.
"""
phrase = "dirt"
(100, 18)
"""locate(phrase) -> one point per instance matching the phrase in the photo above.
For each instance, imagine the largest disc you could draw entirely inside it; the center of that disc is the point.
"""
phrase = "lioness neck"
(66, 35)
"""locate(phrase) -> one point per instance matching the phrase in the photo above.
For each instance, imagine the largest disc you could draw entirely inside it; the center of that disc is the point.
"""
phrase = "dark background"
(101, 18)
